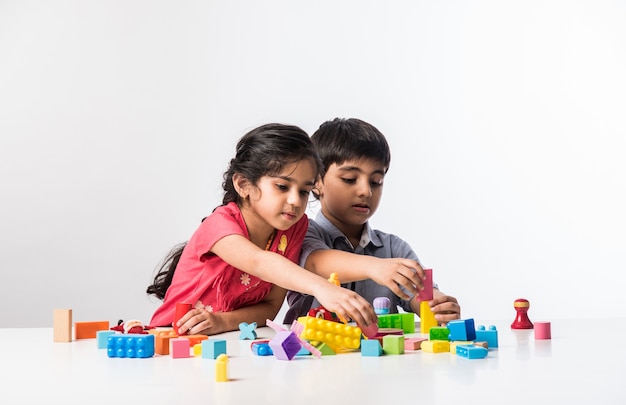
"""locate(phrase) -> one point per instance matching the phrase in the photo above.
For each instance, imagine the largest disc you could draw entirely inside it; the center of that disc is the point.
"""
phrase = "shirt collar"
(367, 236)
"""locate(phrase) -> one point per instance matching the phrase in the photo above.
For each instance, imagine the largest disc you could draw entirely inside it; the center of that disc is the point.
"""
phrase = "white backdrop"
(506, 122)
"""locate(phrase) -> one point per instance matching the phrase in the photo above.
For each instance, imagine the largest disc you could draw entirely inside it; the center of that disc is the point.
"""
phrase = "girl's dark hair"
(264, 151)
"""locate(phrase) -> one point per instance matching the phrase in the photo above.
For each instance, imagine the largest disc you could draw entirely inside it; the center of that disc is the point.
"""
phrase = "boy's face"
(350, 193)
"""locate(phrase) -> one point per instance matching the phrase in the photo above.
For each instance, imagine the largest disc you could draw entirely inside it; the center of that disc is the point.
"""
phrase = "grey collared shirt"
(322, 234)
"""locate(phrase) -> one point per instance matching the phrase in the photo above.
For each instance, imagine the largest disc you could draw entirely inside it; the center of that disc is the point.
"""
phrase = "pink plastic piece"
(543, 331)
(427, 293)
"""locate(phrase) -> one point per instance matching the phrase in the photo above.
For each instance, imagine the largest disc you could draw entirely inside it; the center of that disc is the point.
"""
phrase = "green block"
(393, 344)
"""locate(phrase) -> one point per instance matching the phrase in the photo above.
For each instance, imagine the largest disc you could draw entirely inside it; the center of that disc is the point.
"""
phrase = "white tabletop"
(584, 362)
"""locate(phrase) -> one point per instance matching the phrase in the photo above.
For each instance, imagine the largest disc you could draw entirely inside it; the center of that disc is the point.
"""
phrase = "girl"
(242, 258)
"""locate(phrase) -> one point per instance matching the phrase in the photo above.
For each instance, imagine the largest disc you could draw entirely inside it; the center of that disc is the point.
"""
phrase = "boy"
(356, 157)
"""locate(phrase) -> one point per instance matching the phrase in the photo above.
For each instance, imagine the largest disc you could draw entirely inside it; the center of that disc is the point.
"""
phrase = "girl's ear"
(242, 185)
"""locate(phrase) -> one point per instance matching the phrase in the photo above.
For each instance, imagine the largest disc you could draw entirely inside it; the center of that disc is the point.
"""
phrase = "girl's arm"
(239, 252)
(389, 272)
(202, 322)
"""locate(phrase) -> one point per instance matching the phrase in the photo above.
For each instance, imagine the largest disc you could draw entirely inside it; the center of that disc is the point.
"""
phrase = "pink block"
(180, 348)
(543, 331)
(427, 293)
(413, 343)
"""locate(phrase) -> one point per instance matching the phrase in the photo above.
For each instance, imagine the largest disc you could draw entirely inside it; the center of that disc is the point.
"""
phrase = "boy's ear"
(317, 189)
(242, 185)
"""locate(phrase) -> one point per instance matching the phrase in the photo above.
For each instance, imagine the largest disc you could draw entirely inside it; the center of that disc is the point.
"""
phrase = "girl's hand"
(346, 304)
(397, 274)
(445, 308)
(199, 321)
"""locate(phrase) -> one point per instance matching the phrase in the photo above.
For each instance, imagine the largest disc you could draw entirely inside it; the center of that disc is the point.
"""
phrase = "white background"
(506, 123)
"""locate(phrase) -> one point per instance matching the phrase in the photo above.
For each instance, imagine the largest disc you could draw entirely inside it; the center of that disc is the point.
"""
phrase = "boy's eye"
(376, 183)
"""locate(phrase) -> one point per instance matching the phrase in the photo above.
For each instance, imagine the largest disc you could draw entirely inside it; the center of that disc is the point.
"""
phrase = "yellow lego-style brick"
(221, 368)
(456, 343)
(436, 346)
(427, 318)
(334, 334)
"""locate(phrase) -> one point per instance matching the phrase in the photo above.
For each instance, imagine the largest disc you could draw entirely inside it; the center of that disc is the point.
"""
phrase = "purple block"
(285, 345)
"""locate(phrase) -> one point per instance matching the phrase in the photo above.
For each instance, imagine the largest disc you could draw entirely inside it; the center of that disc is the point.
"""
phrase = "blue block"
(471, 352)
(371, 348)
(102, 338)
(132, 346)
(490, 336)
(211, 348)
(262, 349)
(462, 329)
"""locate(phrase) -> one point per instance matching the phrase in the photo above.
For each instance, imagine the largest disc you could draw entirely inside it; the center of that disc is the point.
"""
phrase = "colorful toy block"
(197, 349)
(381, 305)
(332, 333)
(427, 318)
(163, 341)
(102, 338)
(481, 343)
(194, 339)
(490, 336)
(413, 343)
(404, 321)
(212, 348)
(62, 323)
(325, 350)
(285, 345)
(87, 330)
(180, 348)
(436, 346)
(247, 331)
(439, 333)
(393, 344)
(298, 329)
(543, 331)
(427, 293)
(462, 329)
(221, 368)
(371, 348)
(181, 309)
(471, 352)
(261, 348)
(132, 346)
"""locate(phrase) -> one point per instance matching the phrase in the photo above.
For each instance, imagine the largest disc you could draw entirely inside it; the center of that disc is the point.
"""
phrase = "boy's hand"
(398, 274)
(445, 308)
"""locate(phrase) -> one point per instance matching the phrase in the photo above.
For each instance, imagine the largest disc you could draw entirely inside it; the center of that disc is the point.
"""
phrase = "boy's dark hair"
(264, 151)
(345, 139)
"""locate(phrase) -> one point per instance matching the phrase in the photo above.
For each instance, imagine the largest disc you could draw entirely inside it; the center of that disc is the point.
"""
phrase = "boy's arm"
(393, 273)
(445, 307)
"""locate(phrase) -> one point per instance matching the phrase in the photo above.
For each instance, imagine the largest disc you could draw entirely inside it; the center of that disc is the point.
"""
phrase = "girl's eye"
(349, 181)
(282, 187)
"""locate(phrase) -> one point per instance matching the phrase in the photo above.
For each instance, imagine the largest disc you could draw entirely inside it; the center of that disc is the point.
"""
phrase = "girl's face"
(350, 193)
(278, 202)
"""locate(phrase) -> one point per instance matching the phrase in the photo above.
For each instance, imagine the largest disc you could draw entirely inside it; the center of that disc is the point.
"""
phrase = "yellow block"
(427, 318)
(221, 368)
(436, 346)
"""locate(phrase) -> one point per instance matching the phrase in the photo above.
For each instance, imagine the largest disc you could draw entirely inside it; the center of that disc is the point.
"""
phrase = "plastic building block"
(471, 352)
(454, 344)
(325, 349)
(371, 348)
(180, 348)
(462, 329)
(181, 309)
(393, 344)
(521, 321)
(221, 368)
(62, 325)
(370, 331)
(542, 331)
(381, 305)
(87, 330)
(247, 331)
(404, 321)
(439, 333)
(102, 338)
(490, 336)
(413, 343)
(427, 318)
(436, 346)
(163, 341)
(194, 339)
(197, 349)
(332, 333)
(427, 293)
(212, 348)
(261, 348)
(297, 328)
(132, 346)
(285, 344)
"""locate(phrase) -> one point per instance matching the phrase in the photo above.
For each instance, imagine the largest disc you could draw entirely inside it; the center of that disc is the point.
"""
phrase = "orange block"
(88, 330)
(195, 339)
(162, 342)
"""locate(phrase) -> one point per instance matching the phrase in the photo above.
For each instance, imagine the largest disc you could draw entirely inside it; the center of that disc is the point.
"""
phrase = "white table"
(585, 362)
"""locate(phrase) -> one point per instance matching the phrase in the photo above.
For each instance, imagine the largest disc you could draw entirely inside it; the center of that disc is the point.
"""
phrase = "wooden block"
(88, 330)
(62, 325)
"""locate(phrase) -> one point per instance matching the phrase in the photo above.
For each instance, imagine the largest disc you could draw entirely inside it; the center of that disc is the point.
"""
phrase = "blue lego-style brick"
(262, 349)
(471, 352)
(132, 346)
(211, 348)
(102, 338)
(462, 329)
(488, 335)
